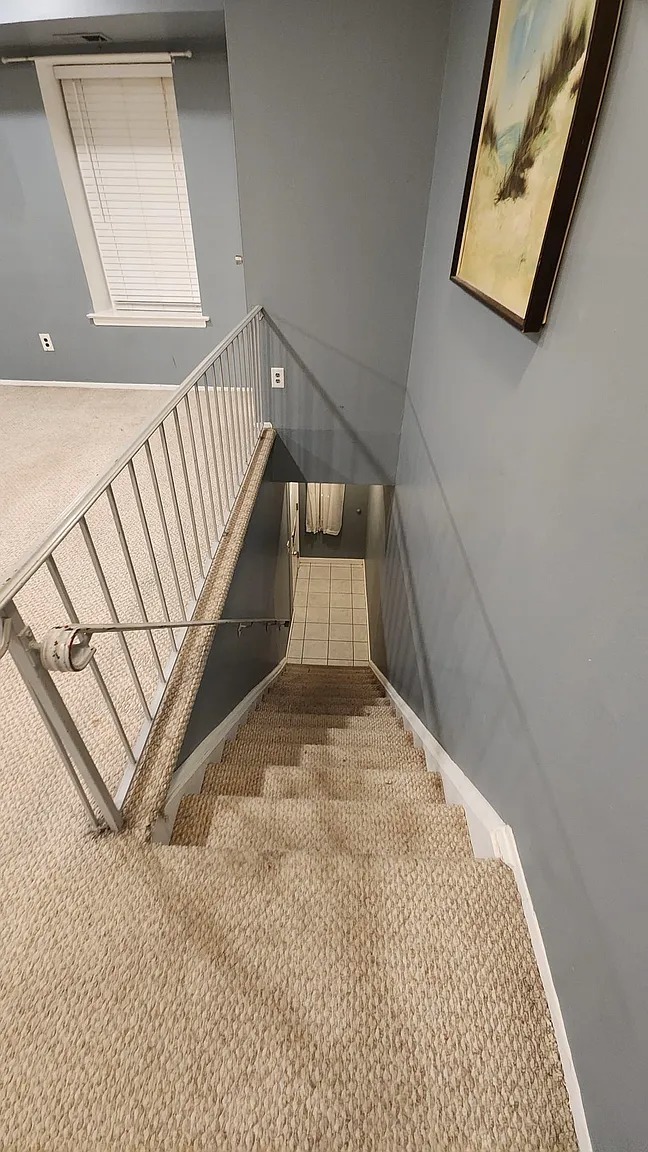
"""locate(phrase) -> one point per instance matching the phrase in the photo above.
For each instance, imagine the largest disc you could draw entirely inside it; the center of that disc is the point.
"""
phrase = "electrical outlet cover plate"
(46, 341)
(277, 375)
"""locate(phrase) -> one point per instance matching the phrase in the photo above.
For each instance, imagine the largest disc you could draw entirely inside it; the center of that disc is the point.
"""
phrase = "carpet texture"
(373, 988)
(366, 985)
(392, 997)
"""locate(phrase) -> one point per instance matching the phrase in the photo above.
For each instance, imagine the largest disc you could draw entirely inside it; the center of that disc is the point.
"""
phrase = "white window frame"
(103, 312)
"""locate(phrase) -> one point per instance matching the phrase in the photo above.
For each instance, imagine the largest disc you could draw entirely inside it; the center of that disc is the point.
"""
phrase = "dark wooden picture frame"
(598, 57)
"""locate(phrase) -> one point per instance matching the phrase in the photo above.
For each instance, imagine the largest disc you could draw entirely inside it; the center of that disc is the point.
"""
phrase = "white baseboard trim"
(79, 384)
(188, 776)
(491, 838)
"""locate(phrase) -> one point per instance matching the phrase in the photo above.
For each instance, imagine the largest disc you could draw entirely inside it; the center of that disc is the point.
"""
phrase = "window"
(116, 135)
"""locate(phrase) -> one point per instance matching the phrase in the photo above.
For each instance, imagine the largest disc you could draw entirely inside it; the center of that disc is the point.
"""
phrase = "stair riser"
(352, 695)
(342, 707)
(335, 782)
(285, 721)
(317, 754)
(420, 787)
(292, 733)
(324, 826)
(327, 672)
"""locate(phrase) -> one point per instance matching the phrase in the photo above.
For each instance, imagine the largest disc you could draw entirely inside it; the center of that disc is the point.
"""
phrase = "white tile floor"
(329, 623)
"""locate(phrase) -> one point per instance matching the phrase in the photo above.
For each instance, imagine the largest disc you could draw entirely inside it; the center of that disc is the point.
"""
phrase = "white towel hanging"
(324, 508)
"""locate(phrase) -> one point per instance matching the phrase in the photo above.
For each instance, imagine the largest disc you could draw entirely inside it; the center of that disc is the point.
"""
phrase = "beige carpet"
(392, 999)
(54, 443)
(365, 985)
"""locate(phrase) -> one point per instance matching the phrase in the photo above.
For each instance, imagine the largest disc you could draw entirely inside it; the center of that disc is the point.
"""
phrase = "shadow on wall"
(260, 588)
(443, 657)
(338, 435)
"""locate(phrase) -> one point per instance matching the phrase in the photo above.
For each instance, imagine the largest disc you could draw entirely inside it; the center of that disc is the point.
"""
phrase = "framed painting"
(546, 66)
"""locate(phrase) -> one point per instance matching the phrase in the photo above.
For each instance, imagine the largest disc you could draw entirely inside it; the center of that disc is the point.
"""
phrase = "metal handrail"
(152, 625)
(29, 564)
(189, 486)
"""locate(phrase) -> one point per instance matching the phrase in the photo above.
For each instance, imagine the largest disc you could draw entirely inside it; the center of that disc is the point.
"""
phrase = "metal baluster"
(245, 407)
(256, 333)
(208, 467)
(57, 579)
(194, 453)
(236, 395)
(128, 560)
(58, 721)
(68, 765)
(231, 422)
(151, 550)
(176, 507)
(165, 527)
(236, 352)
(96, 563)
(248, 387)
(217, 470)
(264, 373)
(185, 473)
(231, 486)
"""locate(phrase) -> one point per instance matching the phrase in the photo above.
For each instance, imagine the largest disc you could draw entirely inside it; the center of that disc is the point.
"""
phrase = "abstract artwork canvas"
(546, 66)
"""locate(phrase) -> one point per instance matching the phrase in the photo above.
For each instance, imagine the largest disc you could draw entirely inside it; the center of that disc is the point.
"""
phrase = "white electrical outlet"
(46, 341)
(277, 377)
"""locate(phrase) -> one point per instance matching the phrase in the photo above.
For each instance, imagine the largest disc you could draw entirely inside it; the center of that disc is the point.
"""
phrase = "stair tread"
(342, 707)
(384, 721)
(338, 826)
(342, 782)
(373, 993)
(294, 754)
(366, 694)
(245, 779)
(375, 736)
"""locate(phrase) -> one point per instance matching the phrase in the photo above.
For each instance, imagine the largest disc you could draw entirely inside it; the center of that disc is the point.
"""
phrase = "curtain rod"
(31, 59)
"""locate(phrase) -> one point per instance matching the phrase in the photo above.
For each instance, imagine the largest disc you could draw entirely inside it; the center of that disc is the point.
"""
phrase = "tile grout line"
(322, 572)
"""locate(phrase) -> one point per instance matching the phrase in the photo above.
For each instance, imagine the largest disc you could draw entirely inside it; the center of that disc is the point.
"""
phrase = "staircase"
(385, 994)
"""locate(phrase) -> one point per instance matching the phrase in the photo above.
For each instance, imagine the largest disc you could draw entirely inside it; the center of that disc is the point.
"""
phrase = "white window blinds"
(127, 139)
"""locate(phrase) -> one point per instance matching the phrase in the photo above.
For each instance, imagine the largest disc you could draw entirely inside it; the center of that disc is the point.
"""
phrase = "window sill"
(147, 320)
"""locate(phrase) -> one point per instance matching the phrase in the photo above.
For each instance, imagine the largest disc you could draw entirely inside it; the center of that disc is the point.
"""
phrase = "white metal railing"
(138, 545)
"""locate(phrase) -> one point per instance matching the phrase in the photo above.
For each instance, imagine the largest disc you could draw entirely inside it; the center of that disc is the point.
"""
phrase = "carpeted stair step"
(233, 778)
(290, 704)
(397, 755)
(253, 734)
(360, 695)
(350, 681)
(290, 722)
(258, 824)
(324, 672)
(340, 782)
(350, 1003)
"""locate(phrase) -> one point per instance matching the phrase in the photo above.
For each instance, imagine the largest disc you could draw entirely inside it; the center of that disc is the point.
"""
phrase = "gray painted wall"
(42, 283)
(24, 11)
(260, 587)
(335, 108)
(518, 554)
(379, 504)
(350, 541)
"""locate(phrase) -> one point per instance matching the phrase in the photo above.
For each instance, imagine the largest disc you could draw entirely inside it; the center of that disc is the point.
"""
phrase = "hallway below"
(329, 623)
